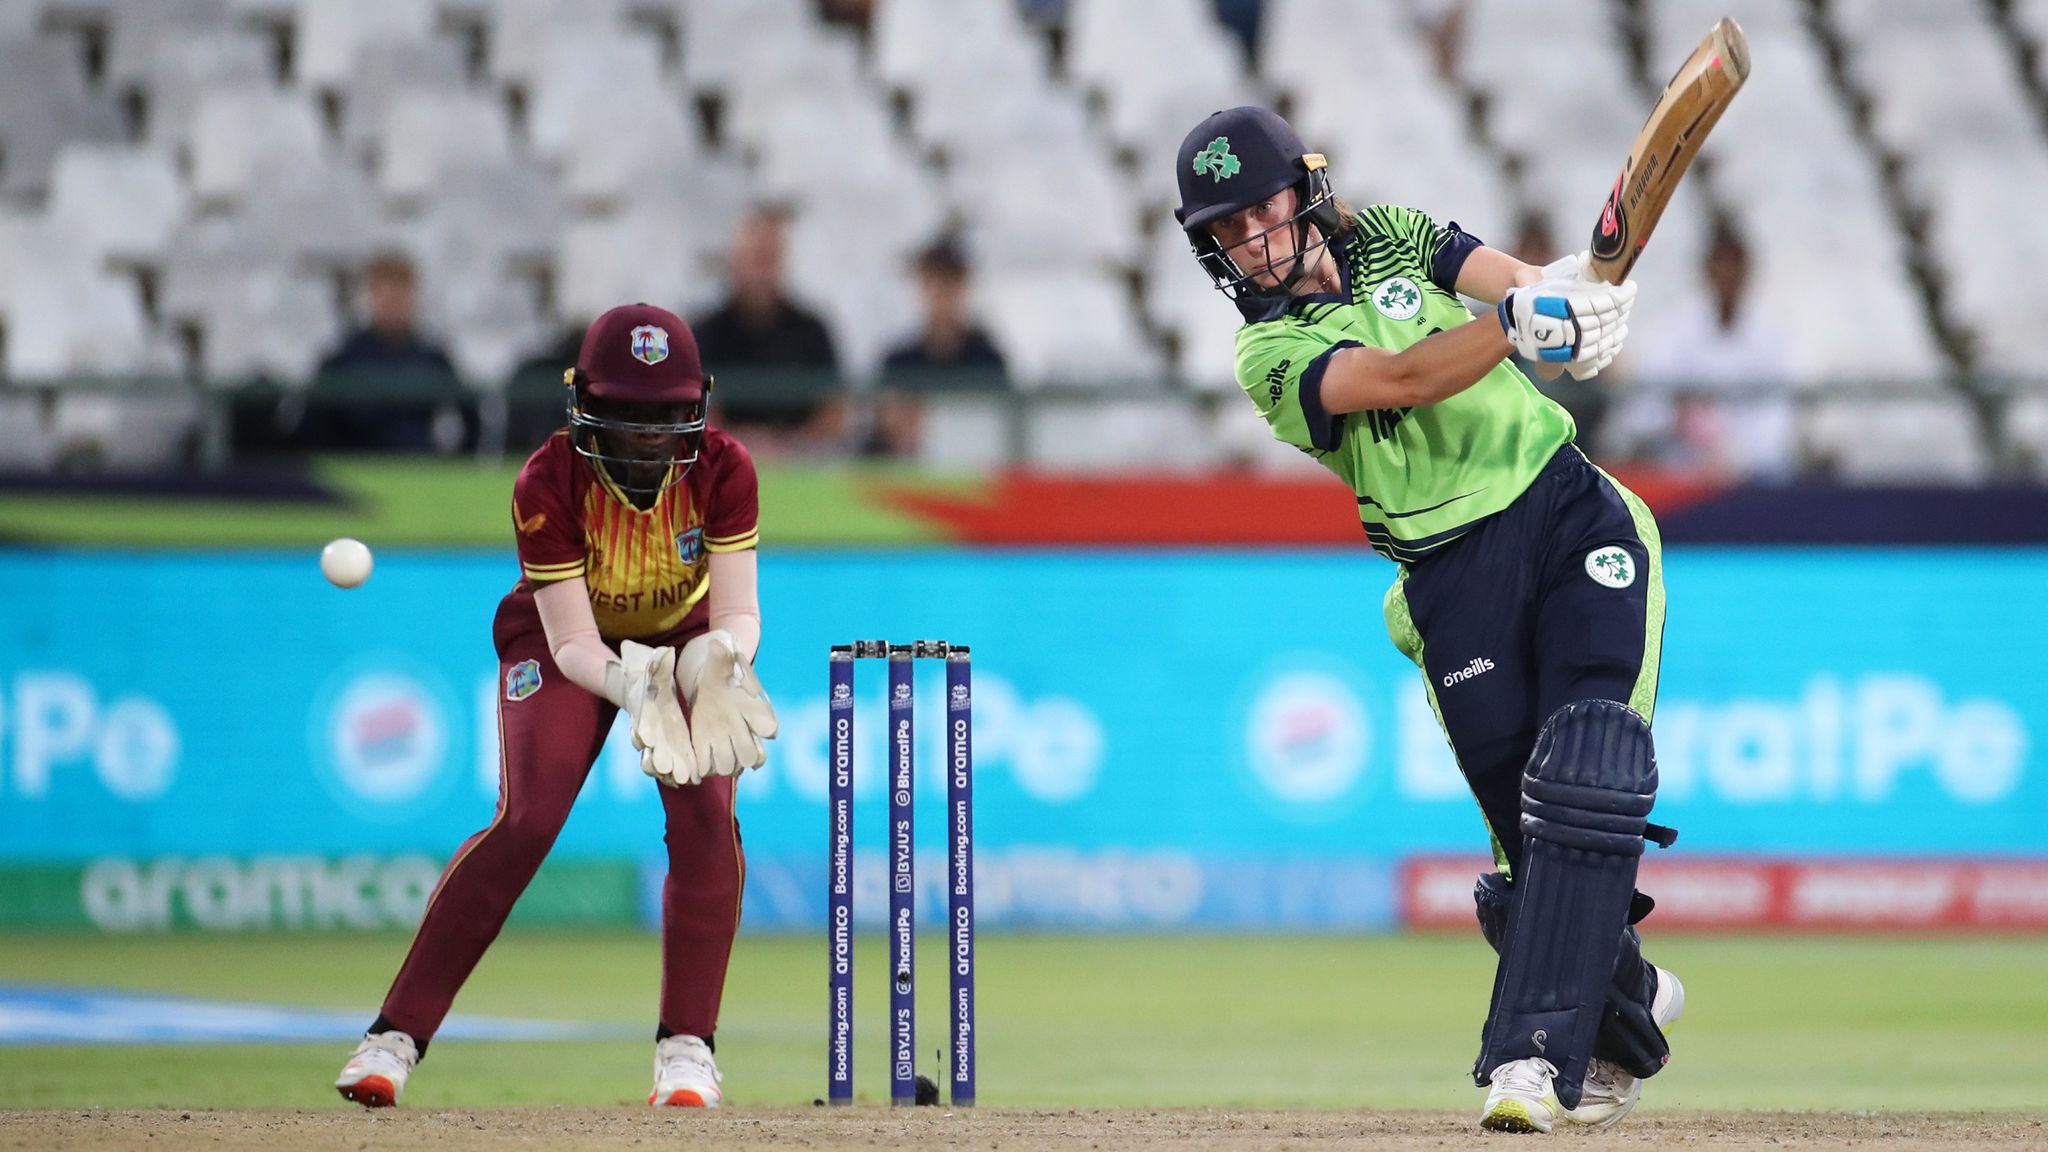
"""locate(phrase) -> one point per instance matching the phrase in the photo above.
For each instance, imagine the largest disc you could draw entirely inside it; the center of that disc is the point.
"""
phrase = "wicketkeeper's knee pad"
(1586, 799)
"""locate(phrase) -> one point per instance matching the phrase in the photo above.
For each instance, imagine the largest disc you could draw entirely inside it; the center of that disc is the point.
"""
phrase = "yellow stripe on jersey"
(732, 543)
(547, 573)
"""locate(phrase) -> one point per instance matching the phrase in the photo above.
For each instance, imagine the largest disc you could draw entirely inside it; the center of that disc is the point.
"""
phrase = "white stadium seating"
(576, 153)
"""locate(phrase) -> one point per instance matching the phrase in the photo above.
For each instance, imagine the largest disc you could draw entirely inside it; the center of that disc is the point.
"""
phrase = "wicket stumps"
(902, 866)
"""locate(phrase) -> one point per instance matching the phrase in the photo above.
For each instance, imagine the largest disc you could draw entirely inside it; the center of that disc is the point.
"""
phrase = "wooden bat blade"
(1692, 102)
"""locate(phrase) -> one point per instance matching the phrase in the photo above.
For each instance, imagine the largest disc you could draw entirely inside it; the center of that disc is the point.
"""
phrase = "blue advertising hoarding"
(1162, 738)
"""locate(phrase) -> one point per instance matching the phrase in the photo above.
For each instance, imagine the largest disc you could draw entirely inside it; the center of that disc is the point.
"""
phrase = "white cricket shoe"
(685, 1075)
(1519, 1097)
(376, 1071)
(1610, 1093)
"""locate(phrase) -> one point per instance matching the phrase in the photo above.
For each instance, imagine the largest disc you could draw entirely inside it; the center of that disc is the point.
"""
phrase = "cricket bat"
(1694, 99)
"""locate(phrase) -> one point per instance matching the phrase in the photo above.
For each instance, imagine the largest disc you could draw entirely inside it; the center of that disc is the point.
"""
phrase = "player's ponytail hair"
(1347, 216)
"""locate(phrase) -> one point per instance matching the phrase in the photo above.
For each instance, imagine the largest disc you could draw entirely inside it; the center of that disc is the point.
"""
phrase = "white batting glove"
(1562, 321)
(660, 732)
(1573, 267)
(729, 710)
(1604, 352)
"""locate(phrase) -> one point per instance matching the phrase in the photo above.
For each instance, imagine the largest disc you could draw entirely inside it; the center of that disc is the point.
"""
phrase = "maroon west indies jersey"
(647, 569)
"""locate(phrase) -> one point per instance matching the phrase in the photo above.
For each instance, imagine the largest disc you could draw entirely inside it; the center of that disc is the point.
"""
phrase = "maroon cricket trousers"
(548, 742)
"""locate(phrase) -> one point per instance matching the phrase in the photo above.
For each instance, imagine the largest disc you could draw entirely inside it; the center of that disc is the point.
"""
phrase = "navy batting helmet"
(1237, 158)
(640, 355)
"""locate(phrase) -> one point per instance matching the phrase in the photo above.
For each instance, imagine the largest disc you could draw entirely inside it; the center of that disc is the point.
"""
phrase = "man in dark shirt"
(775, 367)
(949, 338)
(387, 388)
(948, 353)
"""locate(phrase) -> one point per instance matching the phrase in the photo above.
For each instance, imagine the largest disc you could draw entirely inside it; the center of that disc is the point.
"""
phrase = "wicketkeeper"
(636, 530)
(1530, 591)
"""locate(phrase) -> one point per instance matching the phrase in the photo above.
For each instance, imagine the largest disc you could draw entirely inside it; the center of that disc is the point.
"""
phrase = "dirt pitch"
(570, 1130)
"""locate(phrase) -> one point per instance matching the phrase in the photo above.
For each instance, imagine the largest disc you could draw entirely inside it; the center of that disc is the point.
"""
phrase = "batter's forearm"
(1433, 368)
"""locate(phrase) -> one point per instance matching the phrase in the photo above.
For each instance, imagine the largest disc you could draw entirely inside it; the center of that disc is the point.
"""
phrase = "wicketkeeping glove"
(729, 710)
(647, 693)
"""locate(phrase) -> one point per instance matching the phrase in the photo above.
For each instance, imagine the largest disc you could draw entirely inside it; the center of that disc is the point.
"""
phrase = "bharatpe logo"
(1216, 161)
(1398, 299)
(1612, 566)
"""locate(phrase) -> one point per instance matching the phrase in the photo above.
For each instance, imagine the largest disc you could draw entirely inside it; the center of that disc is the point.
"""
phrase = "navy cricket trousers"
(1558, 597)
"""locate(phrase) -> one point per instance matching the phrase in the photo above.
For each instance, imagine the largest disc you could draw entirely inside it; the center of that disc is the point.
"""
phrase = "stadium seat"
(428, 133)
(136, 30)
(725, 42)
(1930, 440)
(1180, 299)
(1119, 434)
(851, 263)
(384, 70)
(118, 200)
(242, 136)
(601, 92)
(329, 37)
(1065, 328)
(522, 33)
(76, 323)
(641, 253)
(2026, 432)
(182, 66)
(45, 105)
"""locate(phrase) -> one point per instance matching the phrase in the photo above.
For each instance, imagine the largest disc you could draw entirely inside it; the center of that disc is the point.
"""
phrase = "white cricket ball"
(345, 562)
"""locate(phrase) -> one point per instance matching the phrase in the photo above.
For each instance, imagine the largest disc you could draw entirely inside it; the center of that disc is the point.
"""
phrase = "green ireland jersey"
(1425, 475)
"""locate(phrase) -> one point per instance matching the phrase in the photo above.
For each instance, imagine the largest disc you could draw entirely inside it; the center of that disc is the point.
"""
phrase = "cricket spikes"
(377, 1070)
(685, 1075)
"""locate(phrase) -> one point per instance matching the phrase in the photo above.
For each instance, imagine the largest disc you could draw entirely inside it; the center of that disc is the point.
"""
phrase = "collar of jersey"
(604, 480)
(1257, 311)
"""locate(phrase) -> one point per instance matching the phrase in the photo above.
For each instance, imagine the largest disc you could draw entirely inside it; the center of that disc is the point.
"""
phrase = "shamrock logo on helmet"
(1216, 160)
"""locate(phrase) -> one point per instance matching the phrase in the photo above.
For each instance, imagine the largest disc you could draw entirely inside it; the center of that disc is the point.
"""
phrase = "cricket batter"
(636, 537)
(1530, 590)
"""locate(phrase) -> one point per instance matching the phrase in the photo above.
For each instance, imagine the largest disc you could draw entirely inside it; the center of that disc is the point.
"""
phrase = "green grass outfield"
(1383, 1022)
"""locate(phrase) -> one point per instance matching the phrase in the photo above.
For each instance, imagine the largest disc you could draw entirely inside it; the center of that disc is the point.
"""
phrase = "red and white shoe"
(376, 1071)
(1609, 1093)
(685, 1075)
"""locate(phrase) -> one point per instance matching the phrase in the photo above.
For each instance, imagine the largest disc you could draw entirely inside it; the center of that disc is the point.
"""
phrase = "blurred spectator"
(1241, 19)
(949, 351)
(1443, 25)
(855, 14)
(387, 388)
(774, 362)
(1714, 393)
(535, 396)
(949, 338)
(1585, 400)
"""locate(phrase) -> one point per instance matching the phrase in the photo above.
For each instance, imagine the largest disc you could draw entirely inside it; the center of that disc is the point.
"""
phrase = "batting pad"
(1586, 798)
